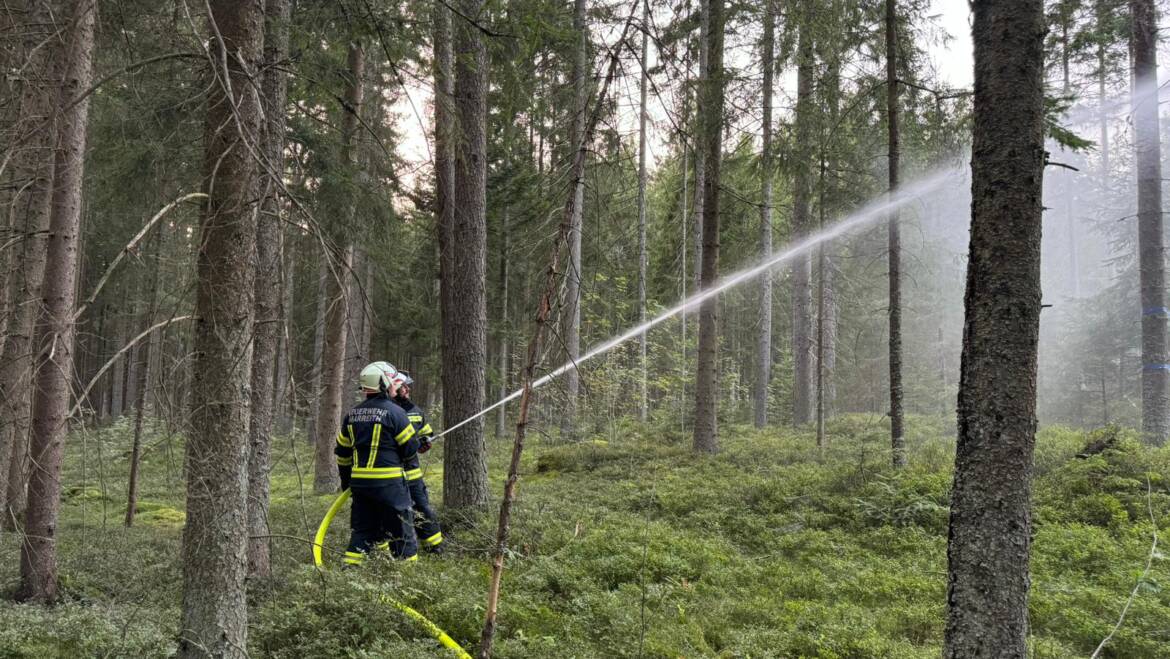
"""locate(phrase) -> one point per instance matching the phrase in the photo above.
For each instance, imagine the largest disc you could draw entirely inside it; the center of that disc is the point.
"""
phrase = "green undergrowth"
(629, 545)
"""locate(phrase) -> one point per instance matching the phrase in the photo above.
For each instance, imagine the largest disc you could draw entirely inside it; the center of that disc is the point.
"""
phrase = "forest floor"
(632, 547)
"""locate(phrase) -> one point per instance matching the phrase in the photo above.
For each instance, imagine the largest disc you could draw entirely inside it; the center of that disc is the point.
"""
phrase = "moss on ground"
(633, 547)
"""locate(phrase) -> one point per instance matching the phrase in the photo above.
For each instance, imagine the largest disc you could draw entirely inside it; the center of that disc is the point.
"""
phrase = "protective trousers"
(379, 514)
(426, 522)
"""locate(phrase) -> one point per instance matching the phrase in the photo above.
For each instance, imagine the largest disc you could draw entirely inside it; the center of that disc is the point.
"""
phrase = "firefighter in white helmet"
(376, 439)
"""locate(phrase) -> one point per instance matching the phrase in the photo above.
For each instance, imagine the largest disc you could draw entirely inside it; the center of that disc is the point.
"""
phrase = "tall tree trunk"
(764, 329)
(33, 165)
(319, 321)
(144, 374)
(802, 325)
(355, 350)
(505, 329)
(266, 335)
(53, 379)
(283, 394)
(573, 281)
(706, 439)
(465, 332)
(118, 372)
(699, 149)
(897, 433)
(214, 547)
(1102, 18)
(1148, 148)
(444, 83)
(333, 366)
(643, 258)
(990, 523)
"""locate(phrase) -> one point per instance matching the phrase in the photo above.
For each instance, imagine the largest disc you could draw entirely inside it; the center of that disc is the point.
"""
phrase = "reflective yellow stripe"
(426, 430)
(342, 440)
(354, 558)
(383, 546)
(411, 558)
(433, 540)
(404, 436)
(374, 446)
(345, 462)
(377, 472)
(413, 474)
(415, 418)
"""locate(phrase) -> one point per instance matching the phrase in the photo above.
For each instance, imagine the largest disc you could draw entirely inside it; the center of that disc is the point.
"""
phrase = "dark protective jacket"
(422, 432)
(375, 441)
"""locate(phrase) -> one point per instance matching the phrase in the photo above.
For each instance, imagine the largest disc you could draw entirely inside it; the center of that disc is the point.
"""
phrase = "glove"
(424, 445)
(344, 473)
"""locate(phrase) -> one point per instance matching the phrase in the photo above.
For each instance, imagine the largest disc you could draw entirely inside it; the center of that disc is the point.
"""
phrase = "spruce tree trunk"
(284, 396)
(333, 364)
(53, 380)
(802, 317)
(118, 372)
(1102, 17)
(266, 335)
(764, 330)
(990, 523)
(355, 350)
(706, 439)
(505, 329)
(445, 135)
(1148, 162)
(643, 258)
(465, 331)
(144, 375)
(33, 165)
(315, 370)
(573, 279)
(442, 63)
(214, 548)
(700, 153)
(897, 433)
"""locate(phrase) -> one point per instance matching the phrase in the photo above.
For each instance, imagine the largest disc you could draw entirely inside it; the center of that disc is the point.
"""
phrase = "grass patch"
(632, 548)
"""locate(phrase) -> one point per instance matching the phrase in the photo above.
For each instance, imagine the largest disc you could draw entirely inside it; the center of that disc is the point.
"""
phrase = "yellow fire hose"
(432, 628)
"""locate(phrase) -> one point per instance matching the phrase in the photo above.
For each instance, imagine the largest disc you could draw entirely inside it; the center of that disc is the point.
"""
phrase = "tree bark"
(38, 555)
(1148, 157)
(1102, 16)
(33, 165)
(700, 154)
(505, 328)
(214, 548)
(333, 365)
(442, 70)
(643, 258)
(802, 318)
(764, 330)
(573, 281)
(284, 396)
(465, 332)
(990, 522)
(267, 326)
(315, 371)
(897, 433)
(144, 374)
(706, 439)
